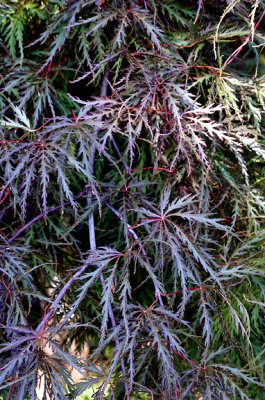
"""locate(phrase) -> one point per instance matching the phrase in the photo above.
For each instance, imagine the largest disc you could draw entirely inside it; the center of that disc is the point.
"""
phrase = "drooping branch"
(92, 236)
(43, 214)
(59, 297)
(134, 234)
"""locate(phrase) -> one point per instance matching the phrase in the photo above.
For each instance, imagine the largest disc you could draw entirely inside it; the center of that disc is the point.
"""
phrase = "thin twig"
(128, 170)
(42, 214)
(238, 50)
(60, 296)
(142, 249)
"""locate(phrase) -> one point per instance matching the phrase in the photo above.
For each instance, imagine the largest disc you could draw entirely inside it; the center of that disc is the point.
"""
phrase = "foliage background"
(132, 182)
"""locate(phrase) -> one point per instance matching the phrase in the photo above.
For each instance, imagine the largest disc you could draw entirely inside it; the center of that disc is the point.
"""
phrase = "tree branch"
(142, 249)
(92, 236)
(42, 214)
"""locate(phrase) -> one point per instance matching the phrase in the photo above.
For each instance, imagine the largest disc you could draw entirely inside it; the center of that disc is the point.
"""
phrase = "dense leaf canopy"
(132, 198)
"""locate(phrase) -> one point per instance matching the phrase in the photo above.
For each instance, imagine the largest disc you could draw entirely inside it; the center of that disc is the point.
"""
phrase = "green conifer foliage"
(132, 183)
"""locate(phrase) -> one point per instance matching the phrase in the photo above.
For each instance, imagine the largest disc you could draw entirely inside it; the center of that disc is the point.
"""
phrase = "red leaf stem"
(7, 289)
(136, 4)
(5, 196)
(161, 169)
(187, 359)
(181, 290)
(141, 219)
(238, 50)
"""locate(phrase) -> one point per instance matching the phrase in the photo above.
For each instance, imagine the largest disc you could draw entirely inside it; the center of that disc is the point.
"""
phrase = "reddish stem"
(136, 4)
(238, 50)
(13, 140)
(205, 66)
(156, 109)
(47, 70)
(7, 289)
(2, 233)
(141, 219)
(74, 116)
(181, 290)
(5, 196)
(161, 169)
(187, 359)
(163, 95)
(75, 119)
(45, 123)
(15, 391)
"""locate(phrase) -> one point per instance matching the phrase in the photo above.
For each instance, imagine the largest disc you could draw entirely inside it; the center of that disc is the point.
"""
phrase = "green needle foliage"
(132, 183)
